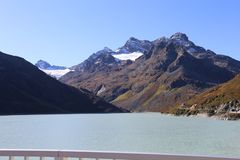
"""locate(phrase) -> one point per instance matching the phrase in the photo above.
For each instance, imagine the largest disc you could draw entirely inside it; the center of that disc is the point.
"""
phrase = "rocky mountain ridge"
(107, 58)
(169, 72)
(41, 64)
(135, 45)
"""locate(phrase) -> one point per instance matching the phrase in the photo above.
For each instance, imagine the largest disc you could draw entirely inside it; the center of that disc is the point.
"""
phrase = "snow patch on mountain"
(101, 90)
(56, 73)
(52, 70)
(128, 56)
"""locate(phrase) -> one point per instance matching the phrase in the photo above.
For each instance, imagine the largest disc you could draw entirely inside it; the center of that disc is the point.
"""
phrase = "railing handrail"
(103, 154)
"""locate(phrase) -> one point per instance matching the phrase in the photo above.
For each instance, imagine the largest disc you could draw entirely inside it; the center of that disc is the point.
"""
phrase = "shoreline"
(200, 115)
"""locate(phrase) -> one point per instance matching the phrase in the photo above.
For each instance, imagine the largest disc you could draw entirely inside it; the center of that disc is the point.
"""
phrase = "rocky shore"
(225, 111)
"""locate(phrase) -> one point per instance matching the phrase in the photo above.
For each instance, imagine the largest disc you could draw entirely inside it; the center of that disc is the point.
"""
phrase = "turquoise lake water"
(134, 132)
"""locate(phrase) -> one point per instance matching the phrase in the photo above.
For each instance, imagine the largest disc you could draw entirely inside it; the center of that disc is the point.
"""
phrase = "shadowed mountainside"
(24, 89)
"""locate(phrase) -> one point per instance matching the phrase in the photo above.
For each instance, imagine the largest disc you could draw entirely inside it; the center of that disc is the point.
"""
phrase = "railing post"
(26, 158)
(11, 158)
(60, 158)
(64, 158)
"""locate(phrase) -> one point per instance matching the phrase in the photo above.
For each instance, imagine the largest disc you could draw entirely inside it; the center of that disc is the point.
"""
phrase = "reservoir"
(130, 132)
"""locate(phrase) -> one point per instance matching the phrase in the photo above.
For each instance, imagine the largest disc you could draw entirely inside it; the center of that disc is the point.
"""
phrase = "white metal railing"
(64, 154)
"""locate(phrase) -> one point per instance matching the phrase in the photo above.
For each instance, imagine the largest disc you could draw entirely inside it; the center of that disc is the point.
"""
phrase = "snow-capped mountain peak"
(181, 39)
(45, 65)
(106, 49)
(135, 45)
(179, 36)
(42, 64)
(130, 51)
(52, 70)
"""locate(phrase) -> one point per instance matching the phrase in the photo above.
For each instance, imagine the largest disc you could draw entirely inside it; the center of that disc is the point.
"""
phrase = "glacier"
(128, 56)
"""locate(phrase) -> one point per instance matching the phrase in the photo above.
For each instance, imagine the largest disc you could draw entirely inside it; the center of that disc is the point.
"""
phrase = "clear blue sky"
(65, 32)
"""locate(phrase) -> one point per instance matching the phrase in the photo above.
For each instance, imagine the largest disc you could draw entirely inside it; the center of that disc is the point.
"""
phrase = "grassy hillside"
(223, 99)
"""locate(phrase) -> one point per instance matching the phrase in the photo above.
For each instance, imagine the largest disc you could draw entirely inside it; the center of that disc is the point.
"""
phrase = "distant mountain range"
(45, 65)
(24, 89)
(106, 57)
(166, 73)
(52, 70)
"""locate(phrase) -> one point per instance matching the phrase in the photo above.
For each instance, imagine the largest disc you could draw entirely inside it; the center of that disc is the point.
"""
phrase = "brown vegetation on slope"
(222, 100)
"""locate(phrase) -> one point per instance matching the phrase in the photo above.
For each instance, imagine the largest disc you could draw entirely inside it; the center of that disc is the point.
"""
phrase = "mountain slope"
(222, 100)
(108, 58)
(171, 72)
(24, 89)
(98, 61)
(135, 45)
(169, 76)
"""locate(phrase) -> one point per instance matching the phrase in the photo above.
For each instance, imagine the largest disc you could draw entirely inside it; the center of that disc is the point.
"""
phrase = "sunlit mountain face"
(157, 75)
